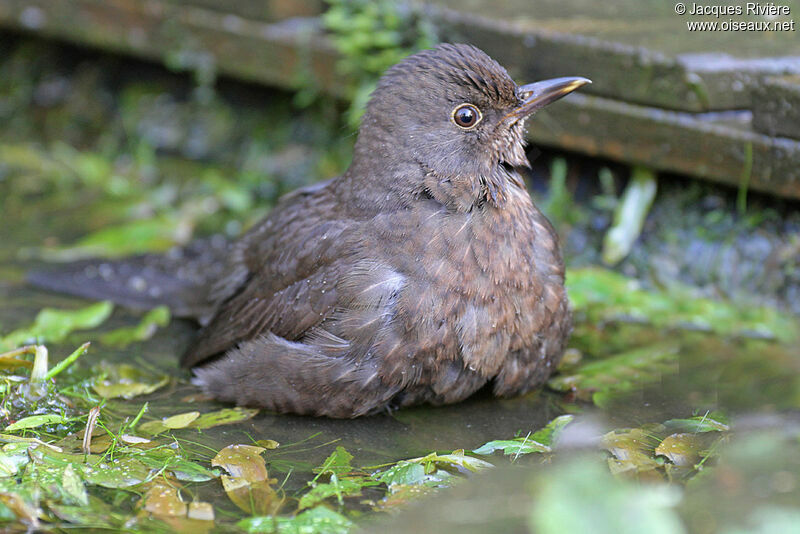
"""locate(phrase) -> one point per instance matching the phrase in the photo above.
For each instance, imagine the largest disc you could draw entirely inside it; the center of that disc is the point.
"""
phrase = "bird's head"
(451, 119)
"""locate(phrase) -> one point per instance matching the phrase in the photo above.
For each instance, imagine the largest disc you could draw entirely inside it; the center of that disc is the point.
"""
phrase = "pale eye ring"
(466, 116)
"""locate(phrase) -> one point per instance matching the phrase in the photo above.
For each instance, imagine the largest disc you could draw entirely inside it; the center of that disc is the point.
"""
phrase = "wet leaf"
(433, 469)
(540, 441)
(700, 423)
(133, 440)
(21, 508)
(133, 237)
(457, 458)
(337, 463)
(606, 296)
(202, 511)
(602, 380)
(248, 485)
(181, 420)
(512, 446)
(406, 473)
(633, 450)
(336, 487)
(96, 514)
(35, 421)
(182, 468)
(119, 473)
(685, 450)
(73, 487)
(18, 440)
(126, 381)
(100, 444)
(55, 325)
(268, 444)
(318, 520)
(401, 495)
(13, 458)
(162, 500)
(225, 416)
(149, 324)
(253, 497)
(152, 428)
(242, 461)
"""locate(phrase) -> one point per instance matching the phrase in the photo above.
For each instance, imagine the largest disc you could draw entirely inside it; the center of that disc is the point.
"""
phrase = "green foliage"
(124, 336)
(605, 379)
(370, 37)
(629, 215)
(603, 296)
(542, 440)
(317, 520)
(560, 206)
(125, 381)
(53, 325)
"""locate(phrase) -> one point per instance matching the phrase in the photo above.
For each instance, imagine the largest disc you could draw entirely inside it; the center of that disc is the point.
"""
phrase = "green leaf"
(337, 463)
(606, 296)
(225, 416)
(686, 449)
(319, 520)
(35, 421)
(133, 237)
(53, 325)
(540, 441)
(629, 215)
(181, 420)
(404, 473)
(126, 381)
(513, 446)
(122, 337)
(120, 473)
(713, 422)
(549, 435)
(74, 490)
(601, 380)
(338, 487)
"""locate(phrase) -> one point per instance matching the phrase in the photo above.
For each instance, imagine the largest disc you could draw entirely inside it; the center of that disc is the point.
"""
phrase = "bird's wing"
(284, 280)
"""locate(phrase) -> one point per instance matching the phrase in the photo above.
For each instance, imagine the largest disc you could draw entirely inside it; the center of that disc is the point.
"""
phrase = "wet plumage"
(422, 274)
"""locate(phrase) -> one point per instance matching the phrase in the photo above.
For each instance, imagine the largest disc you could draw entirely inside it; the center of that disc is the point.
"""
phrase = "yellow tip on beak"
(537, 95)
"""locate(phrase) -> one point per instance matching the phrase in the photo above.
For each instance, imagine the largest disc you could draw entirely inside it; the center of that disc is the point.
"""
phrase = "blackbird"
(422, 274)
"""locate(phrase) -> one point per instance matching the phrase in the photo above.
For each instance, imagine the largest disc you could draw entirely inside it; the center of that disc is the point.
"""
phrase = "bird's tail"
(180, 279)
(287, 376)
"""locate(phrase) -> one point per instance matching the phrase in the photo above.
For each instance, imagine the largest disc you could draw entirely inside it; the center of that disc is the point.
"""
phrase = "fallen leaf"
(181, 420)
(126, 381)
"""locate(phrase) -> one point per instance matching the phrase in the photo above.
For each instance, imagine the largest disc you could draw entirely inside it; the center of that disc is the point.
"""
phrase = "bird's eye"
(466, 116)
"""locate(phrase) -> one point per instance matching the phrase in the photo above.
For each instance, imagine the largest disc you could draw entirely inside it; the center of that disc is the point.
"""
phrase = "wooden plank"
(635, 51)
(261, 10)
(717, 147)
(185, 37)
(776, 109)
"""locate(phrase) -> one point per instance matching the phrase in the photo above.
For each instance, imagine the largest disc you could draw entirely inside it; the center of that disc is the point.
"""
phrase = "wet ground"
(90, 142)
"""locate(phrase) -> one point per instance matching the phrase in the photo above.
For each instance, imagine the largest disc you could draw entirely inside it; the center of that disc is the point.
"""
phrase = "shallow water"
(43, 202)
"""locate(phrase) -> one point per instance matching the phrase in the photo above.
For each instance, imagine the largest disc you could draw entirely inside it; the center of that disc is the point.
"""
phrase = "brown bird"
(422, 274)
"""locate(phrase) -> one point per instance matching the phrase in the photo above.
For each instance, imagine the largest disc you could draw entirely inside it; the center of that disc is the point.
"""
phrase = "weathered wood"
(261, 10)
(639, 52)
(717, 147)
(776, 109)
(185, 36)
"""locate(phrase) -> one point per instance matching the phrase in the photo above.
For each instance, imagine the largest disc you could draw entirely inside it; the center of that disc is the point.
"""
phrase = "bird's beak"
(539, 94)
